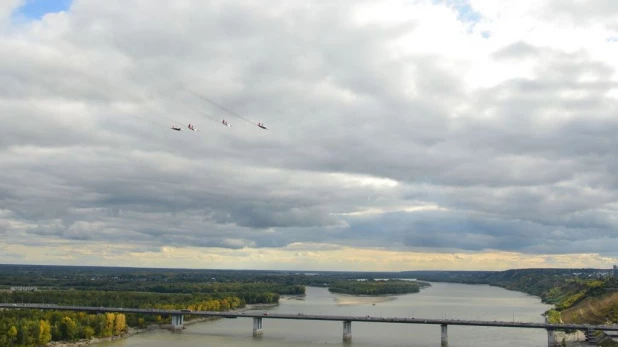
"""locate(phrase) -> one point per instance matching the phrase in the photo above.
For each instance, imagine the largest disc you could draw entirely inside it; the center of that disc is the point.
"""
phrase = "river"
(441, 300)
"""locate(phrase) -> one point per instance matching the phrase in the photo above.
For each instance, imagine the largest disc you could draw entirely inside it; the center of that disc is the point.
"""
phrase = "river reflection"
(442, 300)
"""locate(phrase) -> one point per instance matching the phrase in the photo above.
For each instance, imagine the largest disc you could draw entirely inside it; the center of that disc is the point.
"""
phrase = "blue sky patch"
(465, 12)
(36, 9)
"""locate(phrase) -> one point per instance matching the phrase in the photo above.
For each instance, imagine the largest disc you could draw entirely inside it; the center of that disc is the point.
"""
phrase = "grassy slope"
(593, 310)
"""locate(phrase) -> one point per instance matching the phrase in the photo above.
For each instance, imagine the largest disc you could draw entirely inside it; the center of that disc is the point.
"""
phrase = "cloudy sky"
(402, 135)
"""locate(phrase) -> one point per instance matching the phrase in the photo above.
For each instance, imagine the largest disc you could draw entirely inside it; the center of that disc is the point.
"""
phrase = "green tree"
(69, 328)
(87, 333)
(12, 333)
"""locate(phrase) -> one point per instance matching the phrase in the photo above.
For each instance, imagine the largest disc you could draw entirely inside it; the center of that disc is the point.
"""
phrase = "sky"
(402, 135)
(36, 9)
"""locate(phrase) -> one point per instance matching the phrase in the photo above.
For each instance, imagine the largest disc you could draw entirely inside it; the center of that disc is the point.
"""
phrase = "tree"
(45, 335)
(109, 324)
(120, 324)
(88, 333)
(69, 328)
(12, 334)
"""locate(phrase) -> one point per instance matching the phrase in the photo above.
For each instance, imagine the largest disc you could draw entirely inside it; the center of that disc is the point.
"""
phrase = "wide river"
(453, 301)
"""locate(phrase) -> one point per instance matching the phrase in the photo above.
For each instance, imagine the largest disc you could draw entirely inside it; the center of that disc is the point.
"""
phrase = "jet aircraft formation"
(177, 124)
(223, 122)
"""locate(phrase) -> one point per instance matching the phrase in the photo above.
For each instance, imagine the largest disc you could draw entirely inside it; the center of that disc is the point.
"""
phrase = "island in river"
(373, 287)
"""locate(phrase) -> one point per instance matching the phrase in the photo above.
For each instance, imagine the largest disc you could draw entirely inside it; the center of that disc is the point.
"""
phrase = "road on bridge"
(302, 316)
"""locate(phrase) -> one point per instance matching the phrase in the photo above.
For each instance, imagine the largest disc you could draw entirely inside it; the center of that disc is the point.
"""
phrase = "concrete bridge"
(178, 320)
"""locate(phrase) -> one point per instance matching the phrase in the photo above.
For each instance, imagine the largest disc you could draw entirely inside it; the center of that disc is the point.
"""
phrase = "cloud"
(409, 127)
(589, 12)
(6, 9)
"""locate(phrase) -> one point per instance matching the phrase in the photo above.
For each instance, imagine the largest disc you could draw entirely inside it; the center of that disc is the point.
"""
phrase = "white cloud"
(393, 125)
(6, 9)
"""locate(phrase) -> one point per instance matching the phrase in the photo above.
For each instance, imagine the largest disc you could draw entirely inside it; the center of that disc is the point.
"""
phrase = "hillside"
(593, 310)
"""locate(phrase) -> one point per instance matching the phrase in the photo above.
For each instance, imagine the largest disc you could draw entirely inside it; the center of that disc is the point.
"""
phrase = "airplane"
(191, 127)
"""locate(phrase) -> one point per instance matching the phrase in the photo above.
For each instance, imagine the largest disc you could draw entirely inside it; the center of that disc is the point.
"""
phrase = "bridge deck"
(301, 316)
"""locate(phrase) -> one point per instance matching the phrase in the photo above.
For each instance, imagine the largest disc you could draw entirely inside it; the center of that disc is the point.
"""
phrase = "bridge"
(178, 319)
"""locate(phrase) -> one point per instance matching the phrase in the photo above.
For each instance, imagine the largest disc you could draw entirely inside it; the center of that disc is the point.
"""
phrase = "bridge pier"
(257, 326)
(347, 330)
(443, 335)
(590, 336)
(551, 339)
(178, 322)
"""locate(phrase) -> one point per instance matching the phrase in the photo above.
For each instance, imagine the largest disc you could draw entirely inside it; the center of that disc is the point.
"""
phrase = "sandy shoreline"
(352, 300)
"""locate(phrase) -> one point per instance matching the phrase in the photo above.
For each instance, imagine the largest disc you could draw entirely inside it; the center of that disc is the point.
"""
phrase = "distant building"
(615, 271)
(23, 289)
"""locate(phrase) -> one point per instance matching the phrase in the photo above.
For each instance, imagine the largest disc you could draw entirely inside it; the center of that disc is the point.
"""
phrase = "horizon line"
(297, 270)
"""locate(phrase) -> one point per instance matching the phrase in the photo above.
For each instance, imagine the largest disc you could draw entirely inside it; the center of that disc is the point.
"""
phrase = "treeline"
(26, 328)
(204, 288)
(117, 278)
(135, 299)
(374, 287)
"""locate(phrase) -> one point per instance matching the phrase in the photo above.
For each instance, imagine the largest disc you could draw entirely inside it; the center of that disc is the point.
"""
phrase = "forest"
(116, 287)
(35, 328)
(22, 327)
(144, 279)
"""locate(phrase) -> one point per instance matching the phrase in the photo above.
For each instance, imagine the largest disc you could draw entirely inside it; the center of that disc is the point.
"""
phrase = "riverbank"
(134, 331)
(95, 340)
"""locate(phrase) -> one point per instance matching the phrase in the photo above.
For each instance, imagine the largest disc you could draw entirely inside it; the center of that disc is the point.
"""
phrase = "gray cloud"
(88, 156)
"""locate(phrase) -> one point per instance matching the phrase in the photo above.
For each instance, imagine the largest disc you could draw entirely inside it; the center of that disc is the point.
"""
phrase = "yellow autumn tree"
(109, 324)
(44, 333)
(225, 305)
(215, 305)
(120, 324)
